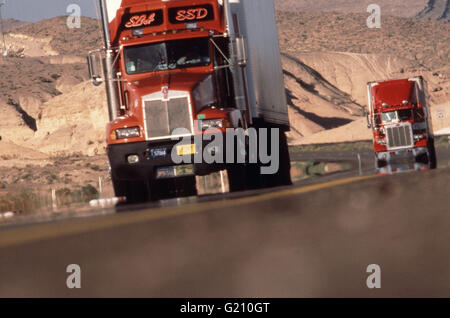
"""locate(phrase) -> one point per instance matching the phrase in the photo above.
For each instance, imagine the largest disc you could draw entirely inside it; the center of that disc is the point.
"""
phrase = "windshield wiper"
(161, 62)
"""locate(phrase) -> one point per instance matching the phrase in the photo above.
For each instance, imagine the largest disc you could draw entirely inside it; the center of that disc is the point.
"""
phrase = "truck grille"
(399, 136)
(162, 117)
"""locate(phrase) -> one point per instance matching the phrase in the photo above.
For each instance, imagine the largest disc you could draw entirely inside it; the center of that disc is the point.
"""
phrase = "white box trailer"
(255, 21)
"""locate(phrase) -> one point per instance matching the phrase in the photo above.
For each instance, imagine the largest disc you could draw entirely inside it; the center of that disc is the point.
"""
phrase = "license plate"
(184, 170)
(165, 173)
(173, 172)
(185, 150)
(158, 153)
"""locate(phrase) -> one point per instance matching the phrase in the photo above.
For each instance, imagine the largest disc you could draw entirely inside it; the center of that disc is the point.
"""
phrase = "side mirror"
(241, 51)
(369, 122)
(95, 64)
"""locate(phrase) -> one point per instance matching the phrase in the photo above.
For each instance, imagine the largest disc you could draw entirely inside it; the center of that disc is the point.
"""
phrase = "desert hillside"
(42, 64)
(436, 10)
(422, 41)
(408, 8)
(341, 51)
(12, 24)
(64, 40)
(73, 122)
(47, 104)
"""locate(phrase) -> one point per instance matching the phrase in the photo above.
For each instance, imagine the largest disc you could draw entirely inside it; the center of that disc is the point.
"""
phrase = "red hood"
(393, 93)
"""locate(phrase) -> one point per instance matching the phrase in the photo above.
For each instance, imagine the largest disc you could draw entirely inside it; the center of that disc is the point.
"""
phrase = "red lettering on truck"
(192, 14)
(140, 20)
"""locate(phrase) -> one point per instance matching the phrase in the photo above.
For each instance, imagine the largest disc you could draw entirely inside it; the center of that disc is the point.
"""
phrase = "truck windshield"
(405, 114)
(396, 116)
(167, 55)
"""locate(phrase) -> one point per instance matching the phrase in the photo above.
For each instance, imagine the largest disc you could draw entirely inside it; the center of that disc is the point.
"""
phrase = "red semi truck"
(400, 121)
(179, 69)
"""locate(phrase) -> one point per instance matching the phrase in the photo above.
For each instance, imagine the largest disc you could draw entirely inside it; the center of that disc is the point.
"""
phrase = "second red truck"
(400, 120)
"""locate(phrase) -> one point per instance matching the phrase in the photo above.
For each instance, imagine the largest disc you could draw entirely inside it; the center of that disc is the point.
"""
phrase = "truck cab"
(168, 70)
(399, 118)
(178, 69)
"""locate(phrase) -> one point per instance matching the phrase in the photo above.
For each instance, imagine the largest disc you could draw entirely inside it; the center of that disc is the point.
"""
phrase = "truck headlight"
(128, 132)
(418, 137)
(133, 159)
(212, 124)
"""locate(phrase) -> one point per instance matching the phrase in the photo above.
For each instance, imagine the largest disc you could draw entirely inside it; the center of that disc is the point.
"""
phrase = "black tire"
(284, 172)
(380, 163)
(254, 178)
(176, 188)
(237, 179)
(432, 151)
(249, 176)
(186, 187)
(134, 191)
(120, 187)
(283, 176)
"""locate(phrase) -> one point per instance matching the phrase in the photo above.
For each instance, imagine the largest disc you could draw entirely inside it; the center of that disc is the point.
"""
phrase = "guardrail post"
(100, 185)
(54, 203)
(360, 165)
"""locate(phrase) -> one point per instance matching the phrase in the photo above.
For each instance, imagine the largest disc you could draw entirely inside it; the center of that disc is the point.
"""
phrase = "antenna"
(4, 50)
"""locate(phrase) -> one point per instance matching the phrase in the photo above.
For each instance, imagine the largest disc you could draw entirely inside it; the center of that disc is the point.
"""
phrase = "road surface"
(311, 240)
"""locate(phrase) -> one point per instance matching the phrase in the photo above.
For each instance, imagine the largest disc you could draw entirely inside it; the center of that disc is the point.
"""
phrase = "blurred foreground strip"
(103, 203)
(9, 214)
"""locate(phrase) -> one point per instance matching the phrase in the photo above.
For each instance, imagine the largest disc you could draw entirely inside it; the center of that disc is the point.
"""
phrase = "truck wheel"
(120, 187)
(432, 151)
(238, 173)
(242, 177)
(380, 163)
(134, 191)
(283, 176)
(176, 188)
(186, 187)
(253, 177)
(237, 178)
(284, 172)
(138, 192)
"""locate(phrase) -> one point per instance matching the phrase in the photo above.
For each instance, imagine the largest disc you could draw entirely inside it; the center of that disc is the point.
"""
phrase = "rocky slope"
(73, 122)
(38, 68)
(436, 10)
(408, 8)
(64, 40)
(12, 24)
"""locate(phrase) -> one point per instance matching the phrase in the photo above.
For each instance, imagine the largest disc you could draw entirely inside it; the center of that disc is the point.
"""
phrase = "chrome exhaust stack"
(108, 64)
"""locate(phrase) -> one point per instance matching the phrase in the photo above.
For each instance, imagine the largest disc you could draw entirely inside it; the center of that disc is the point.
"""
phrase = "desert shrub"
(24, 200)
(66, 196)
(95, 168)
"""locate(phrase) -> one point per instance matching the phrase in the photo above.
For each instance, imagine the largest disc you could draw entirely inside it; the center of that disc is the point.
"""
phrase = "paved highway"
(310, 240)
